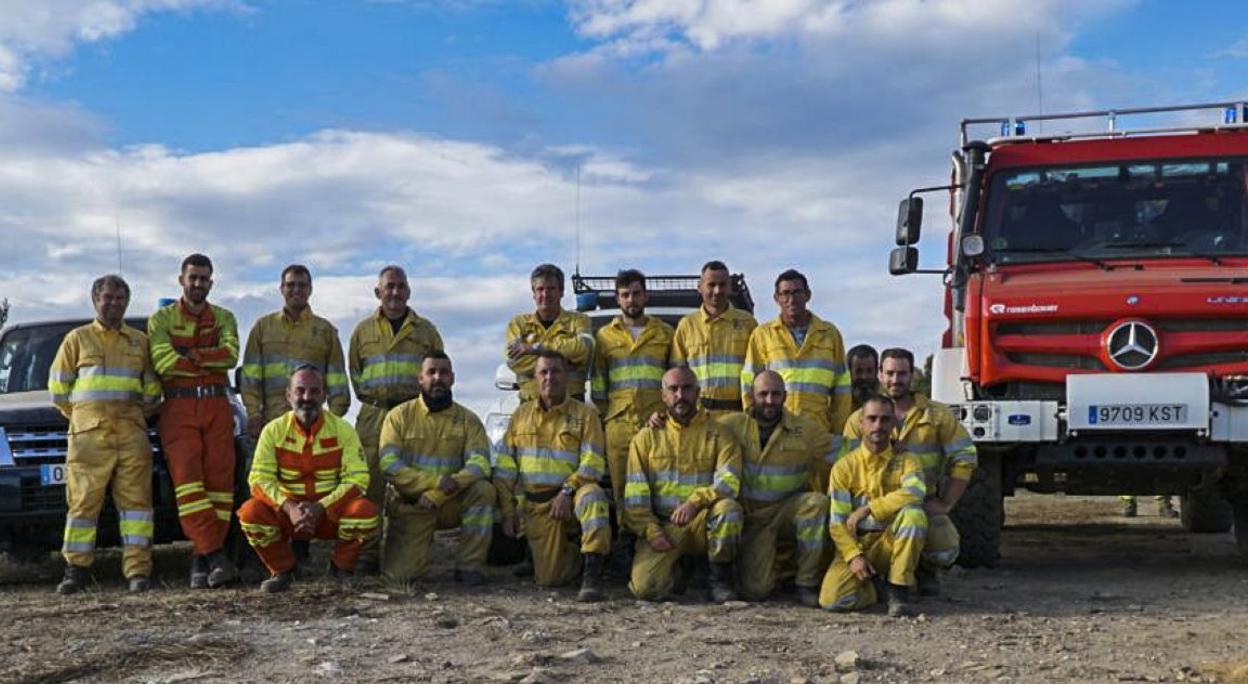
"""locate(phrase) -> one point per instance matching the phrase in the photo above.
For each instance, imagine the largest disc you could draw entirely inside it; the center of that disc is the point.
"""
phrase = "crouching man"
(550, 461)
(307, 481)
(877, 519)
(436, 462)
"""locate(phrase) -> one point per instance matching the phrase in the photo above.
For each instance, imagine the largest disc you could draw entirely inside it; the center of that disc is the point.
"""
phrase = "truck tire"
(1205, 511)
(979, 513)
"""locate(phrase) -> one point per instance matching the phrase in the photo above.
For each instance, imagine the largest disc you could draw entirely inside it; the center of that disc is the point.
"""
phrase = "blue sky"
(445, 135)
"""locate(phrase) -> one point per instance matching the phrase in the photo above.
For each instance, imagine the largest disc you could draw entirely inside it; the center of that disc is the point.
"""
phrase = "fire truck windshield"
(1133, 210)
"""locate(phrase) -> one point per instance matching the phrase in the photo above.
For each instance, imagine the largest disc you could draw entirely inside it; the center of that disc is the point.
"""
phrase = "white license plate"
(53, 473)
(1160, 415)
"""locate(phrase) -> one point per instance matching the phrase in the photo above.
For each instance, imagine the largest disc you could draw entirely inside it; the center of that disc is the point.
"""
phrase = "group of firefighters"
(730, 445)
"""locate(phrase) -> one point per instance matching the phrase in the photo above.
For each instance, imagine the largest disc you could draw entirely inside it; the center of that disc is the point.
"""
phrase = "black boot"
(808, 596)
(720, 590)
(278, 583)
(591, 578)
(76, 579)
(220, 570)
(344, 578)
(899, 601)
(929, 581)
(622, 555)
(199, 572)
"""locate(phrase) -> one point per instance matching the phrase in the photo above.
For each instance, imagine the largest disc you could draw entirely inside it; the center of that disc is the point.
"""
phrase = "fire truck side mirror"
(909, 221)
(903, 260)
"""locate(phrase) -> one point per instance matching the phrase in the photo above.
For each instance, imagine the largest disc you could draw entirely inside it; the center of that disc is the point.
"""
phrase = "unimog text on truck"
(1097, 310)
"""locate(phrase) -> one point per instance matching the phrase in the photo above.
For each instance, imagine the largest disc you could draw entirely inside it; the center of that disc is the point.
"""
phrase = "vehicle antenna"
(578, 218)
(1039, 88)
(117, 222)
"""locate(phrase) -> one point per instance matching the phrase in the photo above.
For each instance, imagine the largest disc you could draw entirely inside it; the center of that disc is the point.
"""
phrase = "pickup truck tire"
(1205, 511)
(979, 514)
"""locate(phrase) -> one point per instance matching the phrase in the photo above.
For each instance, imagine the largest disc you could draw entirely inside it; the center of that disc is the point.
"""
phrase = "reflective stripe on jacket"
(545, 449)
(419, 447)
(714, 349)
(322, 464)
(570, 334)
(886, 482)
(815, 377)
(184, 345)
(100, 374)
(933, 434)
(797, 451)
(277, 346)
(385, 365)
(628, 373)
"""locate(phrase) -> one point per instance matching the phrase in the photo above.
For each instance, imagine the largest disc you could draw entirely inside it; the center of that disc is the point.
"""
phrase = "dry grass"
(203, 654)
(1229, 672)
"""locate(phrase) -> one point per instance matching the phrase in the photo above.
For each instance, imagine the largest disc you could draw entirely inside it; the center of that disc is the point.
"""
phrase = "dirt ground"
(1080, 596)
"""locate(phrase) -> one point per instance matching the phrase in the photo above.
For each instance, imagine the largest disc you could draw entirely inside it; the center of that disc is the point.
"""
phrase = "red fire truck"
(1097, 307)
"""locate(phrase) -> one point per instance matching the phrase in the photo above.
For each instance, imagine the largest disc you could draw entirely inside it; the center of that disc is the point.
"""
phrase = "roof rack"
(1013, 128)
(665, 290)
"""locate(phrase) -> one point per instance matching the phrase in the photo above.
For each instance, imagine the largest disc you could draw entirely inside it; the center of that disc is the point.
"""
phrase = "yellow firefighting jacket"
(714, 349)
(698, 463)
(815, 376)
(183, 345)
(933, 435)
(100, 375)
(418, 447)
(569, 335)
(628, 374)
(322, 464)
(797, 452)
(276, 347)
(385, 366)
(886, 482)
(545, 449)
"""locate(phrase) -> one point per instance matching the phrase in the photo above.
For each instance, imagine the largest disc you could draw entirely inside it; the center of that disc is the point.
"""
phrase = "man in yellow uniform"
(102, 380)
(863, 362)
(194, 344)
(877, 520)
(283, 341)
(782, 452)
(549, 327)
(630, 356)
(712, 341)
(930, 432)
(809, 354)
(307, 482)
(436, 460)
(680, 494)
(550, 459)
(384, 357)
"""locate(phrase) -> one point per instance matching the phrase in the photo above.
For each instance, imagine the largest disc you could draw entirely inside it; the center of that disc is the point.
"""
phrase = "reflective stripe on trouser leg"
(810, 529)
(89, 463)
(801, 521)
(358, 521)
(619, 433)
(723, 531)
(368, 427)
(268, 532)
(197, 436)
(940, 549)
(132, 496)
(895, 553)
(593, 512)
(222, 504)
(476, 524)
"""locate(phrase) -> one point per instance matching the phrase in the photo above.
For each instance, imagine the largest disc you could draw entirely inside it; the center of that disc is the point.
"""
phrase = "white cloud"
(31, 31)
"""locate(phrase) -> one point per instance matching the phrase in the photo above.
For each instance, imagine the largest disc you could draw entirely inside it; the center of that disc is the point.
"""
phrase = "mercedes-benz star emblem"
(1132, 300)
(1132, 345)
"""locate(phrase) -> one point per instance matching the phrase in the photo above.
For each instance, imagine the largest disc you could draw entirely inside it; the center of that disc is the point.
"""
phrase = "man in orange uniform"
(193, 345)
(307, 481)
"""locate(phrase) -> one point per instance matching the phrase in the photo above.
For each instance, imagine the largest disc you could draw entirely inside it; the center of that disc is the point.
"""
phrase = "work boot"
(302, 548)
(720, 589)
(220, 570)
(75, 580)
(139, 584)
(1166, 509)
(622, 555)
(899, 601)
(808, 596)
(278, 583)
(591, 578)
(1128, 509)
(468, 578)
(929, 581)
(367, 567)
(345, 578)
(525, 567)
(199, 572)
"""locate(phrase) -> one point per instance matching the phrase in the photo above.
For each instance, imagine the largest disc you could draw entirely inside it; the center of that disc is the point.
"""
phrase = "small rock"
(583, 656)
(431, 596)
(375, 596)
(736, 605)
(528, 659)
(496, 621)
(396, 659)
(534, 636)
(703, 677)
(539, 675)
(846, 661)
(799, 680)
(851, 678)
(635, 644)
(329, 669)
(446, 621)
